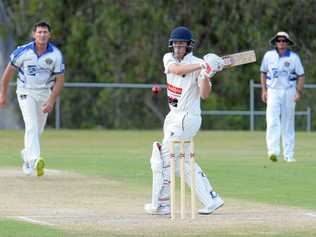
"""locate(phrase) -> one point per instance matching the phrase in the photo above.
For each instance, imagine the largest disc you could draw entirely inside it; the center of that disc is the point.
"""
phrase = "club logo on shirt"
(286, 64)
(31, 70)
(48, 61)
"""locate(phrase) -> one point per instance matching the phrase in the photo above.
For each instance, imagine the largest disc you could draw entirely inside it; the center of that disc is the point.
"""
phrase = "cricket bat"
(241, 58)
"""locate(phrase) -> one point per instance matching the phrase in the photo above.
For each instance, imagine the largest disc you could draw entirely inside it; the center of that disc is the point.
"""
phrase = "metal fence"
(251, 113)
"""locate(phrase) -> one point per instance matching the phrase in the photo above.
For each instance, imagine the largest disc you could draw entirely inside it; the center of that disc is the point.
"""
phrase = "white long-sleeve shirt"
(281, 71)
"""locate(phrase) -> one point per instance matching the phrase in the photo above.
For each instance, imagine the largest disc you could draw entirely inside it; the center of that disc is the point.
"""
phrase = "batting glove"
(216, 62)
(207, 70)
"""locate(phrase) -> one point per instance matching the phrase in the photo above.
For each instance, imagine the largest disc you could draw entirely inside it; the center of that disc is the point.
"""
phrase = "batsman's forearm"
(180, 69)
(205, 89)
(59, 84)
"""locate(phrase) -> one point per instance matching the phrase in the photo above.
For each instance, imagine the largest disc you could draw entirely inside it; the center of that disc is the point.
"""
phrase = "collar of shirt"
(186, 58)
(286, 54)
(48, 50)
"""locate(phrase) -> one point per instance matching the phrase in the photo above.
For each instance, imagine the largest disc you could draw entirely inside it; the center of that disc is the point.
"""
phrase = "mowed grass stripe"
(235, 162)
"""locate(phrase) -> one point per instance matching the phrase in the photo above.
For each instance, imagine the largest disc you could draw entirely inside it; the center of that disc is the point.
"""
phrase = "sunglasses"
(282, 40)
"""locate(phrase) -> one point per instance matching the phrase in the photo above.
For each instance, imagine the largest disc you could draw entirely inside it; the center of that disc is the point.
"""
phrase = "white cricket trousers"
(34, 120)
(280, 118)
(182, 126)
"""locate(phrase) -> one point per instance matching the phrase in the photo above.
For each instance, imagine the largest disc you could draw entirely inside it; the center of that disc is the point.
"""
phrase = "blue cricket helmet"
(181, 33)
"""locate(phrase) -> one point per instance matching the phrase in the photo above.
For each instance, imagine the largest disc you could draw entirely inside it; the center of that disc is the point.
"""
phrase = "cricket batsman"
(40, 67)
(188, 80)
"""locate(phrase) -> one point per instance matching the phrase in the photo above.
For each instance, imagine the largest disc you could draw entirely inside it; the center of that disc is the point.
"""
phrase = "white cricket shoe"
(27, 169)
(26, 166)
(290, 160)
(150, 209)
(217, 203)
(273, 157)
(39, 166)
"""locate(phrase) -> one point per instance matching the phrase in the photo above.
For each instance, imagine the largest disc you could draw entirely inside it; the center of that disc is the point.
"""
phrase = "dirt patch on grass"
(95, 204)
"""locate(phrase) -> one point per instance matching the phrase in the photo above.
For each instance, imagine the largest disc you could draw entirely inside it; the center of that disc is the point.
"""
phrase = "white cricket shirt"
(183, 90)
(36, 72)
(281, 71)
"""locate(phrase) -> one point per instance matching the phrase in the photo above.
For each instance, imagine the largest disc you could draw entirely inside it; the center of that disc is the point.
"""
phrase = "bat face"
(241, 58)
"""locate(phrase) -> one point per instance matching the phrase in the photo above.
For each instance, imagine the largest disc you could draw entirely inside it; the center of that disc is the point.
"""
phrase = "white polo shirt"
(183, 90)
(35, 72)
(281, 71)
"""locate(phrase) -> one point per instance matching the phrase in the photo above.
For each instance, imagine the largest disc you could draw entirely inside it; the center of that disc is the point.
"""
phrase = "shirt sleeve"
(202, 77)
(264, 64)
(168, 59)
(59, 65)
(16, 57)
(299, 69)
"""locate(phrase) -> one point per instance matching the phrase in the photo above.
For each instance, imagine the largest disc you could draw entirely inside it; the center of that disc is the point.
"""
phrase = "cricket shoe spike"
(161, 210)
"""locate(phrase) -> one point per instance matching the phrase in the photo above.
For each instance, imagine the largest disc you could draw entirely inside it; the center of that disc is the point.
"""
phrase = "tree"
(124, 41)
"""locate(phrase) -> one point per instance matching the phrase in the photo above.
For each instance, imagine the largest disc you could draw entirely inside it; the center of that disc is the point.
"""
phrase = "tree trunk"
(9, 117)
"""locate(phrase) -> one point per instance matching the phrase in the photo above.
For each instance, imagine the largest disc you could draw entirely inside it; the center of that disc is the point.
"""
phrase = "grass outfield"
(235, 162)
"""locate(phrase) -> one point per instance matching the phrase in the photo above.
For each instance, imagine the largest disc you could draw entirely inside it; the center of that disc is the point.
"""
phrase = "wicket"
(182, 178)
